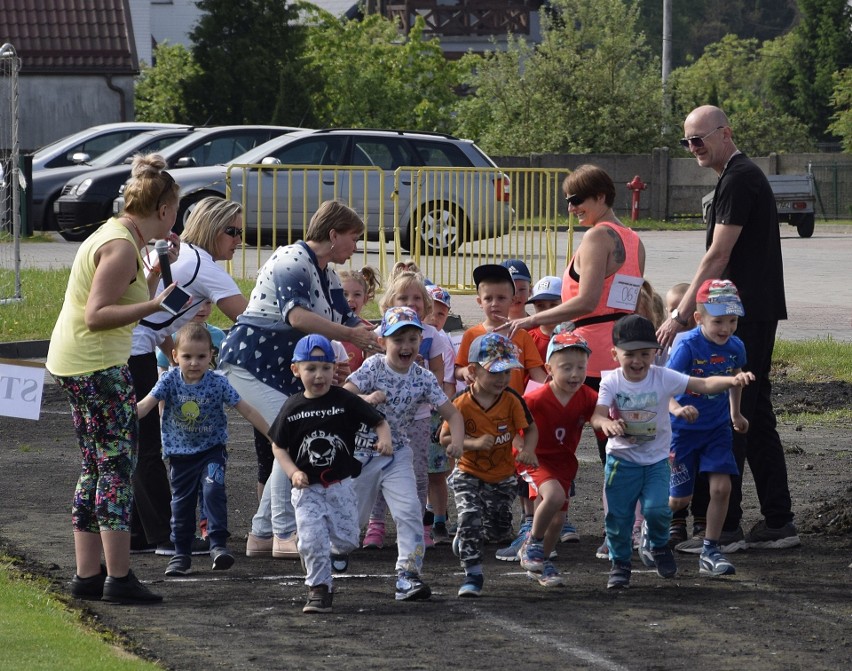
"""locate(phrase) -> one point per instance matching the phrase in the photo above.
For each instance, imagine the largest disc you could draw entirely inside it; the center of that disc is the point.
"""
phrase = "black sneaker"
(200, 547)
(763, 537)
(222, 559)
(319, 600)
(179, 565)
(409, 587)
(619, 575)
(91, 588)
(128, 590)
(339, 563)
(664, 561)
(440, 534)
(677, 535)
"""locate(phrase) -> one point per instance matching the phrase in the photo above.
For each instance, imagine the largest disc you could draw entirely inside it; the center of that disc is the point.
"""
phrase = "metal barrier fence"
(448, 220)
(833, 190)
(10, 193)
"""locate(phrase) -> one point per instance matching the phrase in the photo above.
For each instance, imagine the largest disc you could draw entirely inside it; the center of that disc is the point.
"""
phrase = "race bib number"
(624, 292)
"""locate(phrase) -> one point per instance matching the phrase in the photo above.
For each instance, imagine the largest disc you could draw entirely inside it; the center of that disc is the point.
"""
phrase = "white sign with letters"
(624, 292)
(21, 385)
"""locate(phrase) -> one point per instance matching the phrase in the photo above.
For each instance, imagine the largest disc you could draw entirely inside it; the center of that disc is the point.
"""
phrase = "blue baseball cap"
(517, 269)
(439, 294)
(399, 318)
(305, 349)
(495, 353)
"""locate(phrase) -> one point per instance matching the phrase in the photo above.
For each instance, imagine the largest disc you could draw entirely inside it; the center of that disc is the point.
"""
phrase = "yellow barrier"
(448, 220)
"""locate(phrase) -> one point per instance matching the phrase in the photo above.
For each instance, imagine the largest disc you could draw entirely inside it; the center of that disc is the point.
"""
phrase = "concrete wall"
(52, 107)
(675, 186)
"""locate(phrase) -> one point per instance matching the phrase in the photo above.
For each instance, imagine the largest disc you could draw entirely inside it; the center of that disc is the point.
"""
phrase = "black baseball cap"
(493, 272)
(634, 332)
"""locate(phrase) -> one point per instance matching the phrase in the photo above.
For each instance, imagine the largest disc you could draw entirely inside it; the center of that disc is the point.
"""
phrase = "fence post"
(660, 183)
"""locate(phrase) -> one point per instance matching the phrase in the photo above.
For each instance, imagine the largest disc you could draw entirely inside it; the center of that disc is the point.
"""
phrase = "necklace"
(144, 244)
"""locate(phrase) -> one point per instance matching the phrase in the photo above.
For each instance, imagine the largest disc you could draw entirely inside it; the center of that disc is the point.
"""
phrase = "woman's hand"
(667, 332)
(364, 338)
(512, 326)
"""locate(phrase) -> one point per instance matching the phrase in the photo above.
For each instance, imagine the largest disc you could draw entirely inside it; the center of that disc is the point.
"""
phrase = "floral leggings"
(103, 407)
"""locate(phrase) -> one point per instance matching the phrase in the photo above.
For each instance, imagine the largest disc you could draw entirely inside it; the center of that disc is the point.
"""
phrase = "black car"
(86, 201)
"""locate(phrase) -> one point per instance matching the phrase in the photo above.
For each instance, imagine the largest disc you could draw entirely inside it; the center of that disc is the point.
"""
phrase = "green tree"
(821, 46)
(248, 53)
(841, 124)
(731, 74)
(590, 86)
(369, 75)
(160, 88)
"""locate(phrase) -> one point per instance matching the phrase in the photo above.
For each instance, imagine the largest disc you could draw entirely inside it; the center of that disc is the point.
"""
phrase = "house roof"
(70, 36)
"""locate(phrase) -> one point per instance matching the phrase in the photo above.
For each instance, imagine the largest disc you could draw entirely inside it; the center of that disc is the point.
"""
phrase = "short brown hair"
(332, 215)
(192, 332)
(589, 181)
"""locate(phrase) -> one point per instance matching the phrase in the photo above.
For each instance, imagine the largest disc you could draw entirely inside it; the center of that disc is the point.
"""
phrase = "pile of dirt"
(813, 397)
(832, 517)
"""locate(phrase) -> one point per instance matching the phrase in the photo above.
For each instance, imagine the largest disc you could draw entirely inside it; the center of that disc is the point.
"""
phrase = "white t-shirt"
(644, 407)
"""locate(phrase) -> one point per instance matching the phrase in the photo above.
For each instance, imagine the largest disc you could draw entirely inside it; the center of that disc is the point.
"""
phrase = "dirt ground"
(788, 609)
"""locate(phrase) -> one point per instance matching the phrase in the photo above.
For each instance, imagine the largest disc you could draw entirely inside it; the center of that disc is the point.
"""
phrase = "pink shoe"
(427, 536)
(375, 537)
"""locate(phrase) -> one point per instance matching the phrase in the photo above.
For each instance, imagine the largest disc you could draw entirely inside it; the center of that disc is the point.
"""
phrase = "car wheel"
(804, 223)
(439, 226)
(187, 205)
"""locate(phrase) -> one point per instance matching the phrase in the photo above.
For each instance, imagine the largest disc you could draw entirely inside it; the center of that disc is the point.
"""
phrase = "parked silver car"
(89, 143)
(438, 188)
(46, 185)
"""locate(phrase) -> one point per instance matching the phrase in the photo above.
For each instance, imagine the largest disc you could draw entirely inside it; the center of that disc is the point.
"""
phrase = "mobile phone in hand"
(176, 300)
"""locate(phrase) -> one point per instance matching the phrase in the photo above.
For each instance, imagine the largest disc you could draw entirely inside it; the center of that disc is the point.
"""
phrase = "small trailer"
(795, 198)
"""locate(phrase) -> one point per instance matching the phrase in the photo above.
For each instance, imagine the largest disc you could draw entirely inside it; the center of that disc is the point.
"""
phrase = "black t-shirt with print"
(321, 434)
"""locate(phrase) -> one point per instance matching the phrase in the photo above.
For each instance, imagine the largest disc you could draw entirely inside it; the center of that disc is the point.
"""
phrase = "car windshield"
(144, 143)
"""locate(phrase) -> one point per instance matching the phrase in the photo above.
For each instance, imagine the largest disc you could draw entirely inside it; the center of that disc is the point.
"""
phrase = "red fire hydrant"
(636, 185)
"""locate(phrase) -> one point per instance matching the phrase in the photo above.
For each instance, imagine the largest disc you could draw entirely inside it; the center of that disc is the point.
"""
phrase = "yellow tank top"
(74, 349)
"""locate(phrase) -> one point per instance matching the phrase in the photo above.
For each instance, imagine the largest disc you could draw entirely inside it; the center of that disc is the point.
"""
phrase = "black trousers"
(761, 446)
(152, 496)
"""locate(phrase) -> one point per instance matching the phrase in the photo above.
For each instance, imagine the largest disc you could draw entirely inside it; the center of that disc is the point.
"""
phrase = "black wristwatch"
(676, 316)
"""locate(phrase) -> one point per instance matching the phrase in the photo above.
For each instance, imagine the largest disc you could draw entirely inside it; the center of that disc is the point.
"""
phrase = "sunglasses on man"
(697, 141)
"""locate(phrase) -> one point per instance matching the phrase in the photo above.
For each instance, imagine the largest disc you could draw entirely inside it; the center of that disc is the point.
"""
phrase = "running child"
(314, 438)
(484, 482)
(396, 386)
(359, 288)
(632, 410)
(195, 434)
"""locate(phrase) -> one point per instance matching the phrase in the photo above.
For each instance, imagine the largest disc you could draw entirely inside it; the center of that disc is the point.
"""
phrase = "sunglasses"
(575, 199)
(697, 141)
(233, 231)
(170, 181)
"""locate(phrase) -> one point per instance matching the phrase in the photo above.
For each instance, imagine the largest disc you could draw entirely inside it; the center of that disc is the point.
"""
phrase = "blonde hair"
(401, 282)
(368, 277)
(332, 215)
(150, 186)
(650, 305)
(405, 266)
(208, 219)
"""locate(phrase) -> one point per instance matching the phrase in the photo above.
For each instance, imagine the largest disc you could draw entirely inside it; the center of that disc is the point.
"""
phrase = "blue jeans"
(625, 484)
(186, 473)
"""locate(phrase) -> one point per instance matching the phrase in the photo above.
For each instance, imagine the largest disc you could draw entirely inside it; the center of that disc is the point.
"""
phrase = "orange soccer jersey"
(503, 420)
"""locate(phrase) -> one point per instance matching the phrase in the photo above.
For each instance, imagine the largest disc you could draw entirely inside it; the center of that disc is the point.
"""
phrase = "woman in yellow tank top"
(107, 294)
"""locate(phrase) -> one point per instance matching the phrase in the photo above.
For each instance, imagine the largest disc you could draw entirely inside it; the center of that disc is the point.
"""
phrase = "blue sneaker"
(569, 533)
(409, 587)
(512, 553)
(619, 575)
(532, 556)
(715, 563)
(664, 561)
(549, 576)
(472, 586)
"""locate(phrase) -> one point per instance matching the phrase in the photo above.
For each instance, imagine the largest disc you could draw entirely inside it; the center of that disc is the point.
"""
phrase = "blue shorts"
(701, 451)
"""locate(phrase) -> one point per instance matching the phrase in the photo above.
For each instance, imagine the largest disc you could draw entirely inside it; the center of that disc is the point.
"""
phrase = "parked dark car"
(86, 200)
(46, 185)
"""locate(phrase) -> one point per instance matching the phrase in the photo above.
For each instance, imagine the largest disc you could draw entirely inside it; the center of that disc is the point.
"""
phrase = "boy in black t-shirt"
(314, 438)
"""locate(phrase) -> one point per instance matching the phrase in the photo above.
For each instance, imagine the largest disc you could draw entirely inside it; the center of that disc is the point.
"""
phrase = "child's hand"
(376, 397)
(341, 372)
(420, 361)
(613, 427)
(740, 423)
(528, 458)
(687, 412)
(743, 378)
(383, 448)
(484, 442)
(468, 377)
(454, 451)
(299, 479)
